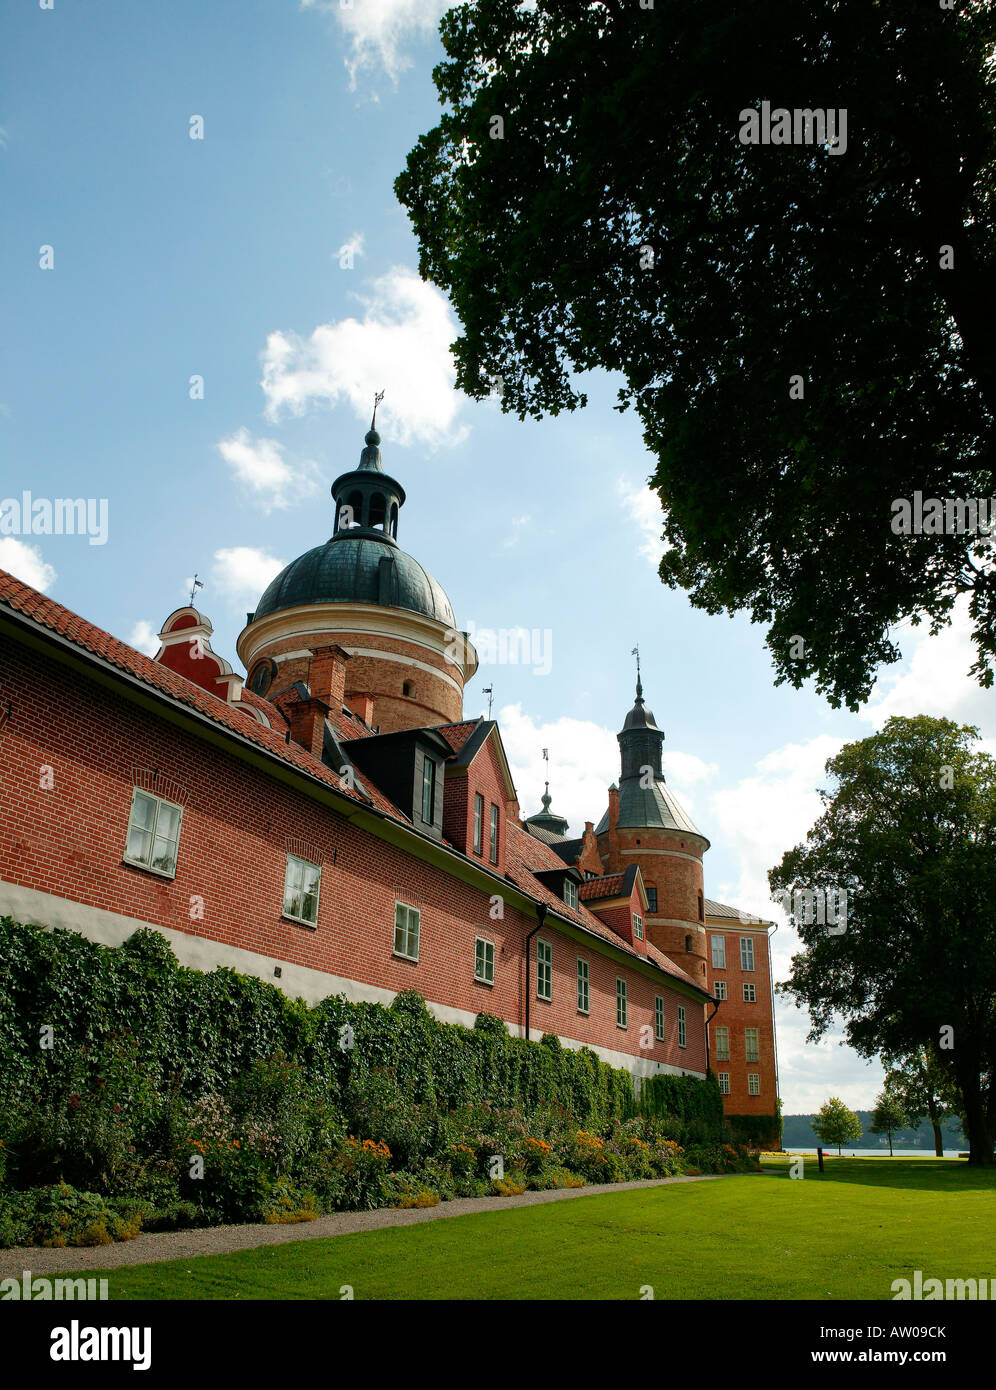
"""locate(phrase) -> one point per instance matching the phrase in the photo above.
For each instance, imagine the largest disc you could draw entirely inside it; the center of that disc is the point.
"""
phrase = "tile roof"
(540, 832)
(524, 855)
(456, 735)
(714, 909)
(62, 621)
(608, 886)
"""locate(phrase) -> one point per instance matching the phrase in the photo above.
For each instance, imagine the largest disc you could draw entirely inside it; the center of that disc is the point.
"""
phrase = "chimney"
(307, 723)
(363, 705)
(327, 676)
(613, 807)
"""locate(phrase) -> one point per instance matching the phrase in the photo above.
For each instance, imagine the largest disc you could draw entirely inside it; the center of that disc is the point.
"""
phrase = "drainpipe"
(715, 1010)
(541, 916)
(774, 1030)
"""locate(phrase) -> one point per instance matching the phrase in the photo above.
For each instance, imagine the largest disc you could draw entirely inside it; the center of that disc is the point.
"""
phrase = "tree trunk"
(890, 1143)
(980, 1136)
(932, 1116)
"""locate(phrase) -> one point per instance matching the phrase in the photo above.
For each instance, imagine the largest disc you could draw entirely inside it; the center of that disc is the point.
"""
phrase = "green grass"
(846, 1234)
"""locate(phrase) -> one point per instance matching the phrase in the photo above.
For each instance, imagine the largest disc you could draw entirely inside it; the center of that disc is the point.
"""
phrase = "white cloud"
(933, 679)
(515, 535)
(378, 29)
(643, 507)
(584, 760)
(259, 465)
(25, 563)
(242, 572)
(401, 345)
(144, 638)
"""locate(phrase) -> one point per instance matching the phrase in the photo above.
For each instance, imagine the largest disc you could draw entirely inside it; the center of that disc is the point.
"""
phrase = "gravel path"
(219, 1240)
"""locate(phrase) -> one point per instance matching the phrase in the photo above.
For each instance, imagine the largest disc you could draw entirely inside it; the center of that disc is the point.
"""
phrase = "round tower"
(645, 825)
(359, 590)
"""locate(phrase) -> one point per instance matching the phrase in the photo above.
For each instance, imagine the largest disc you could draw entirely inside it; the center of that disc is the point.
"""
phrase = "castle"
(333, 824)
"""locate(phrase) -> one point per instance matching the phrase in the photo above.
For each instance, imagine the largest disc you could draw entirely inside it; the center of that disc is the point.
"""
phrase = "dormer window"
(428, 790)
(637, 926)
(570, 892)
(478, 823)
(493, 840)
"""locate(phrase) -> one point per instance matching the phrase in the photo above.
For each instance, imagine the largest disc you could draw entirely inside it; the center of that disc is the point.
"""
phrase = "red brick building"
(334, 825)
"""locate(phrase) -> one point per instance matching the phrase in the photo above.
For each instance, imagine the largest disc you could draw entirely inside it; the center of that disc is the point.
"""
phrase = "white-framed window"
(722, 1044)
(682, 1027)
(719, 989)
(753, 1083)
(584, 987)
(723, 1078)
(622, 1011)
(428, 790)
(493, 840)
(659, 1017)
(484, 960)
(406, 929)
(637, 926)
(718, 952)
(570, 892)
(752, 1044)
(747, 953)
(302, 886)
(544, 970)
(750, 993)
(478, 823)
(153, 833)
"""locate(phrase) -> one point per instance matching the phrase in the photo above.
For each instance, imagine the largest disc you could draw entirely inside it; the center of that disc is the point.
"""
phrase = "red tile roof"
(608, 886)
(45, 611)
(524, 855)
(456, 735)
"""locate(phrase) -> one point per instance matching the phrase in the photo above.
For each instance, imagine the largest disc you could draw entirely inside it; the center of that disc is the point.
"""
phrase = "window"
(701, 909)
(478, 823)
(659, 1017)
(747, 953)
(753, 1083)
(637, 926)
(752, 1044)
(302, 882)
(719, 989)
(651, 898)
(408, 690)
(406, 925)
(544, 970)
(719, 953)
(584, 987)
(570, 892)
(750, 994)
(724, 1083)
(722, 1044)
(493, 842)
(484, 961)
(428, 790)
(682, 1029)
(621, 1010)
(153, 833)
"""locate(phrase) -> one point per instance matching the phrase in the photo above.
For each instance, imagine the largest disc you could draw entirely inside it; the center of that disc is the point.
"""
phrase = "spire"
(547, 819)
(370, 458)
(367, 501)
(639, 688)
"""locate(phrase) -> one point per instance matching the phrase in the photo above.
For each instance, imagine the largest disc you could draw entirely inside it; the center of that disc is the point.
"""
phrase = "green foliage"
(835, 1124)
(910, 833)
(621, 223)
(171, 1097)
(888, 1115)
(756, 1131)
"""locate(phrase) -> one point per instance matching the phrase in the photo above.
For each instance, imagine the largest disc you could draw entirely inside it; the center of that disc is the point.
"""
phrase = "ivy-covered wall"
(64, 998)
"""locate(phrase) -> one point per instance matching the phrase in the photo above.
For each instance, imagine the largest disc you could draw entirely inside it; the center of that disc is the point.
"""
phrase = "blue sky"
(228, 258)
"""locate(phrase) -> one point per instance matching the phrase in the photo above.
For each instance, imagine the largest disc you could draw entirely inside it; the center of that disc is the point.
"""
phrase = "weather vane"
(636, 652)
(489, 691)
(378, 397)
(197, 584)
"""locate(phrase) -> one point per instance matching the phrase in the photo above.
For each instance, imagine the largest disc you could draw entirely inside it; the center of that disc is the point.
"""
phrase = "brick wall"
(737, 1015)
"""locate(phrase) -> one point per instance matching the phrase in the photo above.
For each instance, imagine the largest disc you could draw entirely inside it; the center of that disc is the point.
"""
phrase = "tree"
(888, 1115)
(806, 335)
(909, 834)
(835, 1124)
(924, 1090)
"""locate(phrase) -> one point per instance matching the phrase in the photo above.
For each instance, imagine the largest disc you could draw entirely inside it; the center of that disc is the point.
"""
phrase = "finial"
(378, 397)
(639, 688)
(489, 691)
(195, 585)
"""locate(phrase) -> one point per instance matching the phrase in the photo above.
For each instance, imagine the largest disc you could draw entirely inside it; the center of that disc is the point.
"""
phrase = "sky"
(206, 276)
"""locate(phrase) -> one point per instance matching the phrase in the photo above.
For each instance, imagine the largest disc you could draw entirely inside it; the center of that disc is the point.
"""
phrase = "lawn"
(847, 1233)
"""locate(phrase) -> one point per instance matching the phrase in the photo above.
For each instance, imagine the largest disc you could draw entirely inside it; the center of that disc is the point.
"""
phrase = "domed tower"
(645, 825)
(408, 661)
